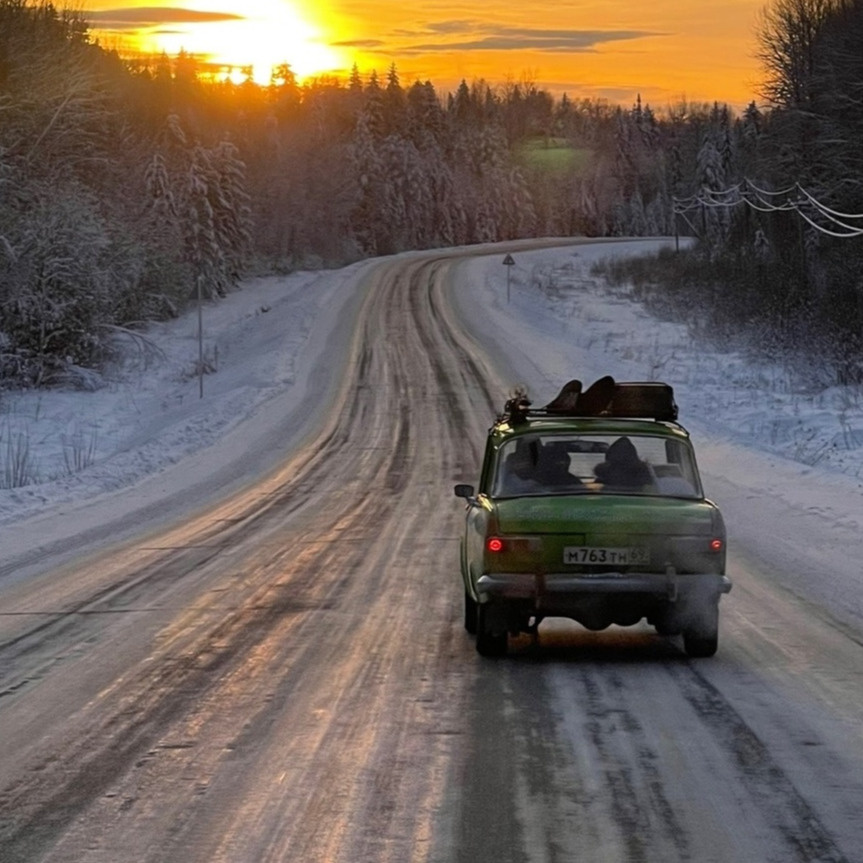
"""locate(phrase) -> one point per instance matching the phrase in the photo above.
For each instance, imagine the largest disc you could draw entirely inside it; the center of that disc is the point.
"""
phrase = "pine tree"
(394, 103)
(55, 294)
(711, 178)
(202, 248)
(368, 172)
(229, 199)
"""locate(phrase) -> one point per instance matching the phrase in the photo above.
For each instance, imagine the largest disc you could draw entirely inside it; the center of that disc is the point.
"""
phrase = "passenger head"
(555, 462)
(524, 458)
(622, 467)
(622, 452)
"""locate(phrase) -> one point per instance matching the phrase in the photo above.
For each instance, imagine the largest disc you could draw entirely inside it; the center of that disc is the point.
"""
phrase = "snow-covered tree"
(712, 182)
(369, 177)
(55, 286)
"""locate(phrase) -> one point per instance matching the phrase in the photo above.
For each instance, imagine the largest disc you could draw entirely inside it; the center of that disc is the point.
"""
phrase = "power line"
(806, 205)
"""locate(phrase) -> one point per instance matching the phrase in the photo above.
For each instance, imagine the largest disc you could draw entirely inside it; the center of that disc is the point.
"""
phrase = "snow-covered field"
(147, 428)
(68, 447)
(572, 324)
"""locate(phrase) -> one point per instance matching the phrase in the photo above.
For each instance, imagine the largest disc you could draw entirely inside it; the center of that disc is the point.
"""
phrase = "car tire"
(703, 640)
(470, 613)
(488, 643)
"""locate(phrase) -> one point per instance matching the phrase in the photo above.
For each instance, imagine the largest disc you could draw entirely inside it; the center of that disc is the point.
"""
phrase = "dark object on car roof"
(604, 398)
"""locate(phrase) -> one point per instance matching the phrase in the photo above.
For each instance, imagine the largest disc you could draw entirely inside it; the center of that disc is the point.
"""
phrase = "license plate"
(606, 556)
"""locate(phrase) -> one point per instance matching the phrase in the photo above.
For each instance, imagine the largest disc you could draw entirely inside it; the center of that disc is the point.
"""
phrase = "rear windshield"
(596, 464)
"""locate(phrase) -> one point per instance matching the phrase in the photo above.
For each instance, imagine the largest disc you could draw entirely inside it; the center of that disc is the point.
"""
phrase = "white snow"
(149, 415)
(783, 464)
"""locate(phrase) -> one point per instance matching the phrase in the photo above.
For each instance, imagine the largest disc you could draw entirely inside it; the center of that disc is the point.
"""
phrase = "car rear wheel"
(699, 646)
(488, 643)
(470, 609)
(703, 640)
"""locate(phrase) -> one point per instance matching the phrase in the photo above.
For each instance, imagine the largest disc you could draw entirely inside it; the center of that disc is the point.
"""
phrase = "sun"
(266, 34)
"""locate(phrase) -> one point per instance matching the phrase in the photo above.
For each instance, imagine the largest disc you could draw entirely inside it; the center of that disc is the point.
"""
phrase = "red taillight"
(716, 545)
(494, 544)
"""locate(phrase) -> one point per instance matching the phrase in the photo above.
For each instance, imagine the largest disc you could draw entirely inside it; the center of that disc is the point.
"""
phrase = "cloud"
(148, 16)
(359, 43)
(526, 39)
(472, 35)
(453, 26)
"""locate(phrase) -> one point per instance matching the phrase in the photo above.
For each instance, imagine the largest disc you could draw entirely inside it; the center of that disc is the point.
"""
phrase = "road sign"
(509, 263)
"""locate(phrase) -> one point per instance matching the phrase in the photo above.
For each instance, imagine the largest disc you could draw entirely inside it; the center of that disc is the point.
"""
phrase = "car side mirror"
(465, 491)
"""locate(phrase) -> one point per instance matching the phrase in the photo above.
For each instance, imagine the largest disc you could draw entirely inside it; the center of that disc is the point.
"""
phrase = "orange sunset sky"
(666, 50)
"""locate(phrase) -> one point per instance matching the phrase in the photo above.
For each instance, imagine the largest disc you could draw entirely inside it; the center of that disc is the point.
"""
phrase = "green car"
(591, 508)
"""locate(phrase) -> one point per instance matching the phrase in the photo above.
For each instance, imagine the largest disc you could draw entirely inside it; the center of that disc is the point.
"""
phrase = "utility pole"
(200, 338)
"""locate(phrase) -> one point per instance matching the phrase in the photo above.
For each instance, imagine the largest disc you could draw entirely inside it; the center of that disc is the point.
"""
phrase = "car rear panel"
(616, 533)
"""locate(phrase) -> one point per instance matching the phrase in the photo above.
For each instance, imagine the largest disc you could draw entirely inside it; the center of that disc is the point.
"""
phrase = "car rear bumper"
(552, 588)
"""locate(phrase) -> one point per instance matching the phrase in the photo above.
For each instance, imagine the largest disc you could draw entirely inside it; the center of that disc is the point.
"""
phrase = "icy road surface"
(283, 676)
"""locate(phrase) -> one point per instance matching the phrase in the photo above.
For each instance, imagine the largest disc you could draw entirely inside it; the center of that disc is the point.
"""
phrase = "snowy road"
(284, 676)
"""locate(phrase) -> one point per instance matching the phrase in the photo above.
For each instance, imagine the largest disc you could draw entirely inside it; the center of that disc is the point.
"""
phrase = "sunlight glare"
(270, 32)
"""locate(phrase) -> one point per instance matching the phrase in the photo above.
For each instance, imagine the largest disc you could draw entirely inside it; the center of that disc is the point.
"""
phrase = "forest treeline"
(129, 188)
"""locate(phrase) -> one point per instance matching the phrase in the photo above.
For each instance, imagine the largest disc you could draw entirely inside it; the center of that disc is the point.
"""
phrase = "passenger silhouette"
(622, 467)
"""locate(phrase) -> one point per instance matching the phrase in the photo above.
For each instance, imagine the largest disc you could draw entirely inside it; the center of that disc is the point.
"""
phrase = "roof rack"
(604, 398)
